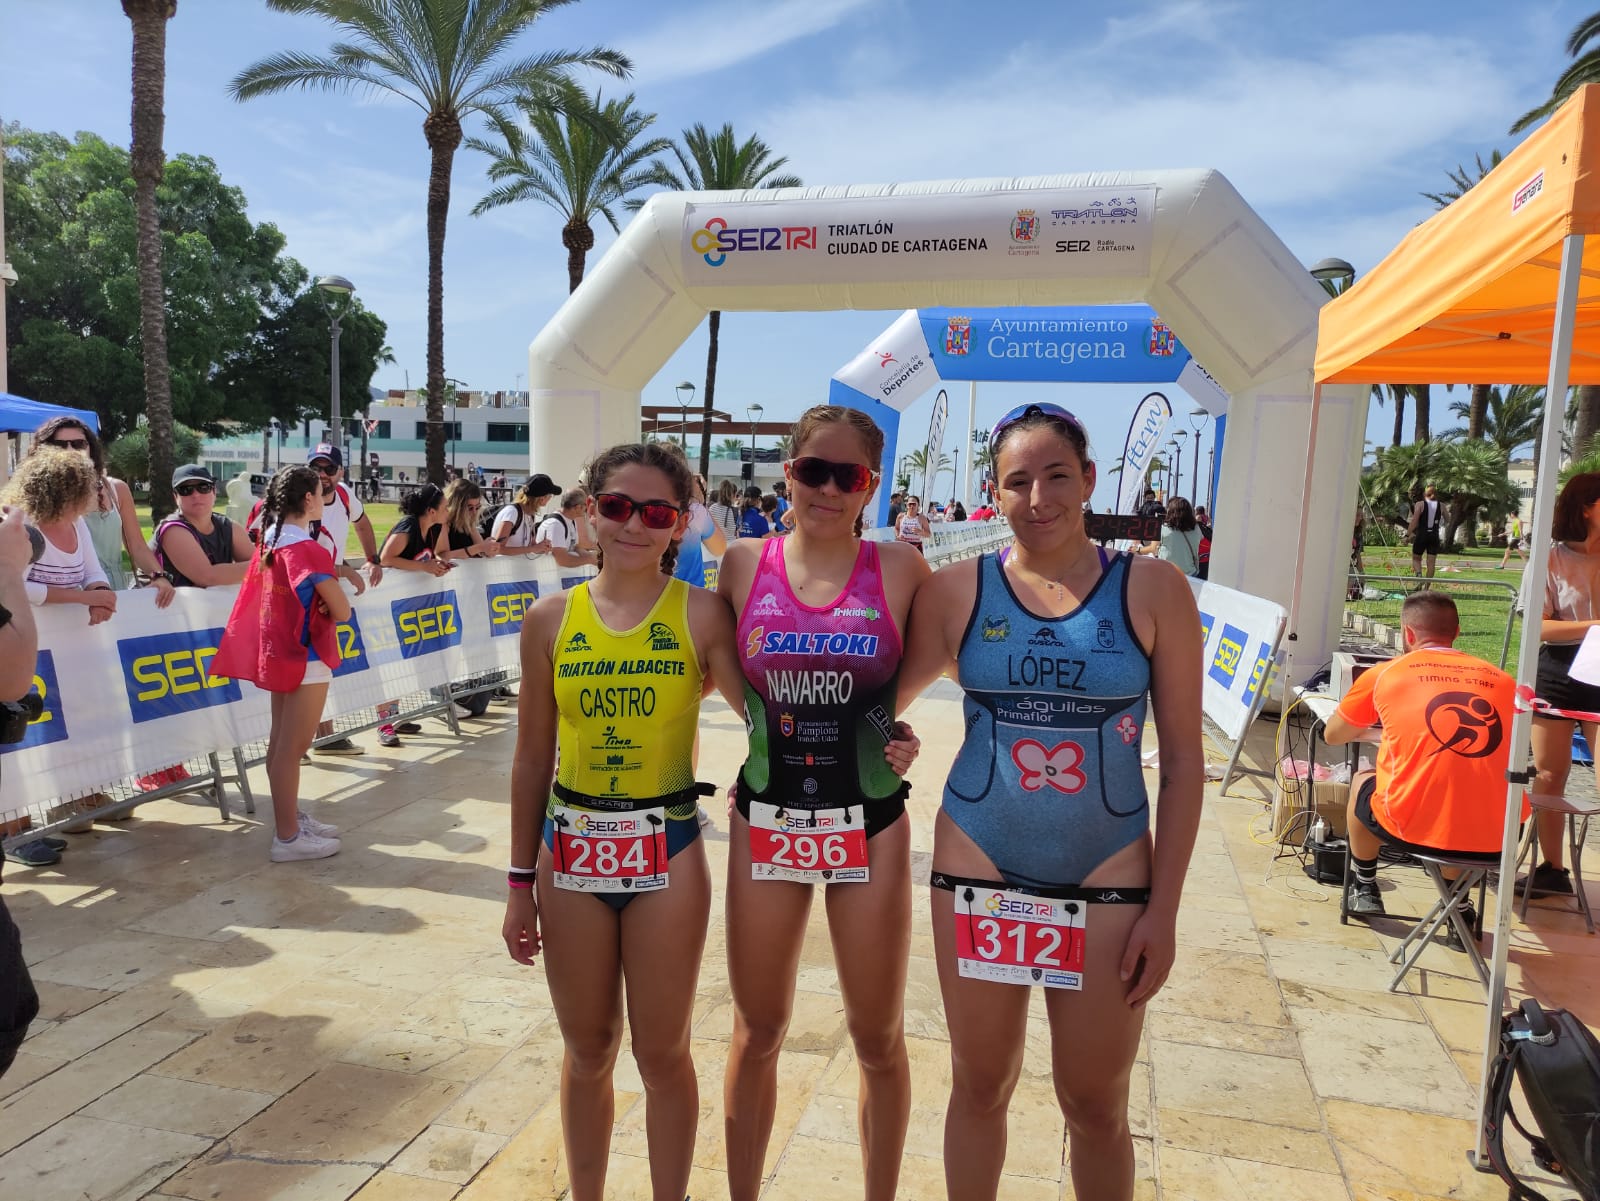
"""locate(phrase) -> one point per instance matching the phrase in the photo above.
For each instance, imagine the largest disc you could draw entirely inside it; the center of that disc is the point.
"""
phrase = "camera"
(15, 716)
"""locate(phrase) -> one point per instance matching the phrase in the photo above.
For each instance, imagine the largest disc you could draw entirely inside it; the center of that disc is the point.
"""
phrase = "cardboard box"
(1289, 798)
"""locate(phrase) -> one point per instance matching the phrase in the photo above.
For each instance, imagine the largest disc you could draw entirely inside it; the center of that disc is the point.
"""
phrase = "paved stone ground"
(218, 1027)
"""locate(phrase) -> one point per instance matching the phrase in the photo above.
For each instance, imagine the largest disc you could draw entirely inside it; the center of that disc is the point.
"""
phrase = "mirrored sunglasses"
(814, 473)
(1035, 408)
(654, 514)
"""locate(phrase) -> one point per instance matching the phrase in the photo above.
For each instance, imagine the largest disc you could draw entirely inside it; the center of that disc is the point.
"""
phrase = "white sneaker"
(702, 816)
(462, 711)
(306, 846)
(310, 825)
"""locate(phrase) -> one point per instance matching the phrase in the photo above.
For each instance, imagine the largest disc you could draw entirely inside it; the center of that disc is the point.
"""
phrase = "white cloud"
(1285, 130)
(718, 36)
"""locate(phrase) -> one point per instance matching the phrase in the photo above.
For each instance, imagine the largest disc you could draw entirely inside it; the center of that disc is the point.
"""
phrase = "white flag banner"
(935, 448)
(1144, 435)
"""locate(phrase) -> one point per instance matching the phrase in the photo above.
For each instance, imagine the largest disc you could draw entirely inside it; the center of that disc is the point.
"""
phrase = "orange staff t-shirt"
(1446, 719)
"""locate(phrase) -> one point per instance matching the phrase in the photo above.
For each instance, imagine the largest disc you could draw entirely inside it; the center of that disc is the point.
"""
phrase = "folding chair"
(1473, 873)
(1577, 814)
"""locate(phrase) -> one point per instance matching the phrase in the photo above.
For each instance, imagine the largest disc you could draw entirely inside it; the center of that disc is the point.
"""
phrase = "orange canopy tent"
(1469, 296)
(1501, 287)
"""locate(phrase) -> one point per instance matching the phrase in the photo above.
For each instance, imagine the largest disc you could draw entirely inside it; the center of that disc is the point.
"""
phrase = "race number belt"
(610, 852)
(1026, 936)
(808, 846)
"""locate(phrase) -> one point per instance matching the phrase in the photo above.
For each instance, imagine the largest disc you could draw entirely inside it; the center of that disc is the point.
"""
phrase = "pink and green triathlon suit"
(820, 693)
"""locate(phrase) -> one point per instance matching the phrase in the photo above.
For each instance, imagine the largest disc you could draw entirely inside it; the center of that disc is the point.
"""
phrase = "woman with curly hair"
(112, 520)
(55, 488)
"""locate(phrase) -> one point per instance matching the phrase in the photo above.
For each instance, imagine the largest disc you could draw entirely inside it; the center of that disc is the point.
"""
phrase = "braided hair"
(287, 494)
(670, 463)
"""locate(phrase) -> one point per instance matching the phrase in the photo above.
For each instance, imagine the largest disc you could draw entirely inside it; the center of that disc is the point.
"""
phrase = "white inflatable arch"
(1183, 242)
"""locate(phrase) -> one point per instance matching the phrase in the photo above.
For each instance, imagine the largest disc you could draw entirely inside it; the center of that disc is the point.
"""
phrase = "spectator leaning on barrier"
(463, 502)
(414, 544)
(54, 489)
(559, 532)
(19, 649)
(198, 547)
(515, 524)
(112, 520)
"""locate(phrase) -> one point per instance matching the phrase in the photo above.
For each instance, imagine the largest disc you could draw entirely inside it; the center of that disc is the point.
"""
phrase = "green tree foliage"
(246, 338)
(1511, 419)
(581, 164)
(128, 458)
(452, 59)
(1585, 68)
(1468, 475)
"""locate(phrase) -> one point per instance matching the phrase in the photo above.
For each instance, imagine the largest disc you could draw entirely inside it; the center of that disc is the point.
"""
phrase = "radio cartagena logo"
(508, 604)
(352, 649)
(51, 724)
(717, 239)
(427, 624)
(169, 674)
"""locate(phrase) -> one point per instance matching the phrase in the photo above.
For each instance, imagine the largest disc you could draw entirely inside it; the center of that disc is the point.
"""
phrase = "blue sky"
(1329, 119)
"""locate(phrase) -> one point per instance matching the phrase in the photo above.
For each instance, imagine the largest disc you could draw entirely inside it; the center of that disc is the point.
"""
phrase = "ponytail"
(287, 494)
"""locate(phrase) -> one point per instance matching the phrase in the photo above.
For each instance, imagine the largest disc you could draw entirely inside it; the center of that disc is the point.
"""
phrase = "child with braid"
(280, 635)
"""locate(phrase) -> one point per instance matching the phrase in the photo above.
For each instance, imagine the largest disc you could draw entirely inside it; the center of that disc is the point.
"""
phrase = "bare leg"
(1552, 762)
(583, 967)
(663, 936)
(1094, 1037)
(871, 929)
(1364, 843)
(294, 721)
(988, 1026)
(766, 925)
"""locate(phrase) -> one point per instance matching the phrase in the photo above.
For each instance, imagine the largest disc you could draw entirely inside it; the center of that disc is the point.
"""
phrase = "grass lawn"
(1481, 592)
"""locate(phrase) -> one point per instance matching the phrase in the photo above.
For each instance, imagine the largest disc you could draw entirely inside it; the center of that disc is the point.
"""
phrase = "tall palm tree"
(452, 59)
(1513, 418)
(928, 466)
(1421, 411)
(718, 162)
(149, 19)
(581, 163)
(1584, 69)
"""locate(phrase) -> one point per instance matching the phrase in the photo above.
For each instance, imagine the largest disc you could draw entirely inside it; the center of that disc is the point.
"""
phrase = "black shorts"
(1553, 684)
(19, 1003)
(1426, 543)
(1365, 816)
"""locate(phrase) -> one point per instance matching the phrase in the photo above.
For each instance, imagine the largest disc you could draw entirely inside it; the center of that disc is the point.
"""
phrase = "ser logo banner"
(1230, 649)
(352, 649)
(508, 604)
(427, 624)
(169, 674)
(51, 724)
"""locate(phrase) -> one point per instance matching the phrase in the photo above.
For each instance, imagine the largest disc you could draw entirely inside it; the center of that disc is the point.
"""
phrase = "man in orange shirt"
(1441, 778)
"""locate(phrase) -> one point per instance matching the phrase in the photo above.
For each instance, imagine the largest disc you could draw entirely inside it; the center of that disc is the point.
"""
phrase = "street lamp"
(335, 291)
(1334, 271)
(457, 387)
(685, 391)
(1197, 422)
(1178, 437)
(754, 413)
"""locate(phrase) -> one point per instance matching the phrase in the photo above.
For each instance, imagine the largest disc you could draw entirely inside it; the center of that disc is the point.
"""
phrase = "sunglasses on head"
(654, 514)
(69, 443)
(814, 473)
(1035, 408)
(189, 489)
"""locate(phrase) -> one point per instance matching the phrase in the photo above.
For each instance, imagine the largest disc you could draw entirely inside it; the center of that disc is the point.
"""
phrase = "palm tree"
(1468, 475)
(1512, 418)
(728, 448)
(149, 19)
(451, 59)
(929, 466)
(1585, 69)
(1421, 409)
(581, 163)
(718, 162)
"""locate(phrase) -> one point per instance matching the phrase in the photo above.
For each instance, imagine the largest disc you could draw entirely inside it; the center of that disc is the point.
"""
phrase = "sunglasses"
(192, 488)
(327, 469)
(1035, 409)
(654, 514)
(69, 443)
(814, 473)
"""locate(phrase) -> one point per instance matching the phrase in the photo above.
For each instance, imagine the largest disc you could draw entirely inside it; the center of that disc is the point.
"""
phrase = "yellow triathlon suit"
(629, 705)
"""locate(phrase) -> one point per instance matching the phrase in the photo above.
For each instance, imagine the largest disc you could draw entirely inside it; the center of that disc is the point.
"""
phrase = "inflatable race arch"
(1183, 242)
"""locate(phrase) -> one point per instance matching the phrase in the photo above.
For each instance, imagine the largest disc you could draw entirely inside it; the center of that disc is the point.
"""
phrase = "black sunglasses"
(814, 473)
(328, 469)
(655, 514)
(69, 443)
(190, 488)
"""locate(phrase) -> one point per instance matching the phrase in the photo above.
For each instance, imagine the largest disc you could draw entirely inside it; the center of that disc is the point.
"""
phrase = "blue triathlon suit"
(1048, 781)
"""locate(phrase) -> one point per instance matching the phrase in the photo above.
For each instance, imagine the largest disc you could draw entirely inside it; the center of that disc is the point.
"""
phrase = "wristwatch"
(374, 561)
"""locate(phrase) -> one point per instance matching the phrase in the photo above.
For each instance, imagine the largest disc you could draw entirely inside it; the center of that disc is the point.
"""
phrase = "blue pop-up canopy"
(20, 415)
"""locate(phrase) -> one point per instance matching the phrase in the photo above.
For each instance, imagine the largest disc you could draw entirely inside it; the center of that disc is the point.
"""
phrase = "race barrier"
(1241, 636)
(134, 695)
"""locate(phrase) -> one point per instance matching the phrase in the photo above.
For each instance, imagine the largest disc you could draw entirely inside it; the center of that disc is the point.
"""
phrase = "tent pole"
(1287, 675)
(1533, 581)
(972, 425)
